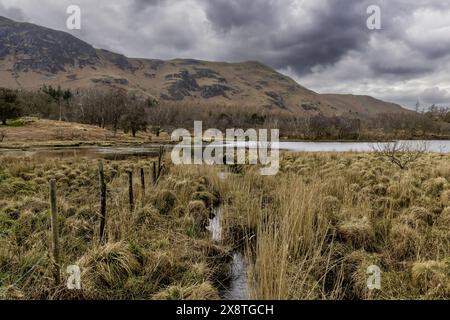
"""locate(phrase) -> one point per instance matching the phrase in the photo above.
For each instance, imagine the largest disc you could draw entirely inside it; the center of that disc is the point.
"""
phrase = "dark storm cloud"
(228, 14)
(318, 35)
(400, 70)
(324, 44)
(321, 34)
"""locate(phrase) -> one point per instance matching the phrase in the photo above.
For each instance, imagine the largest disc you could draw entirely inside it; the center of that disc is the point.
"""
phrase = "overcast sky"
(323, 44)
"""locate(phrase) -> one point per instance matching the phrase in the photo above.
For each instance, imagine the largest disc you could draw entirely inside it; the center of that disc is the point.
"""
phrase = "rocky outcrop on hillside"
(41, 49)
(32, 56)
(184, 84)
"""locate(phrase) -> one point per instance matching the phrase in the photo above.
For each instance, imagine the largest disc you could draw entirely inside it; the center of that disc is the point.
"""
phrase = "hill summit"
(31, 56)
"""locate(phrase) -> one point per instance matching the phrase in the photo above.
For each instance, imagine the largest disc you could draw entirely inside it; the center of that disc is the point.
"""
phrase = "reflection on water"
(120, 153)
(109, 153)
(238, 289)
(215, 226)
(440, 146)
(238, 286)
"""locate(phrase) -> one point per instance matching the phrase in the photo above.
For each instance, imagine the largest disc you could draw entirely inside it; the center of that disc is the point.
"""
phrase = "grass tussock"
(310, 232)
(148, 251)
(318, 226)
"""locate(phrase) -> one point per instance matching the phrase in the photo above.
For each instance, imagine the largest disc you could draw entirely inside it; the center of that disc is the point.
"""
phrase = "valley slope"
(31, 56)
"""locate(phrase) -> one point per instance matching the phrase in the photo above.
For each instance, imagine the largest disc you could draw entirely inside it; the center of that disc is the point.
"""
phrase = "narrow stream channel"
(237, 289)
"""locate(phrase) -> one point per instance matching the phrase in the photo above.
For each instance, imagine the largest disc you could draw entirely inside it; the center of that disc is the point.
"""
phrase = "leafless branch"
(401, 153)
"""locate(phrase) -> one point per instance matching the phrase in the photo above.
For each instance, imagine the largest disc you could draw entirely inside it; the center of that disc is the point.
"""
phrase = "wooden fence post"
(55, 232)
(154, 173)
(143, 184)
(160, 156)
(101, 176)
(130, 189)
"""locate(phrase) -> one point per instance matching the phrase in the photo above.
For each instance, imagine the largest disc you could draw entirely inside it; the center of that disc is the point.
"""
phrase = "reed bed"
(310, 232)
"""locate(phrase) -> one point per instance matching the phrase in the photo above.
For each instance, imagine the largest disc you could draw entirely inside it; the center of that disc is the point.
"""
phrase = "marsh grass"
(315, 228)
(147, 250)
(308, 233)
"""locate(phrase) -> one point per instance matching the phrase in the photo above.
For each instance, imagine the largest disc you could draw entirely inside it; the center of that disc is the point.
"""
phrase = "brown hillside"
(31, 56)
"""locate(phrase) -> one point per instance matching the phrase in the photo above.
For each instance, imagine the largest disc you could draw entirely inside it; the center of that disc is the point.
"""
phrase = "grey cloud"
(435, 95)
(324, 44)
(139, 5)
(265, 30)
(333, 30)
(11, 12)
(228, 14)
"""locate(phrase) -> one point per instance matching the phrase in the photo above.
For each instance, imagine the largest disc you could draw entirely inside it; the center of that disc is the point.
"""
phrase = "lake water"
(439, 146)
(112, 153)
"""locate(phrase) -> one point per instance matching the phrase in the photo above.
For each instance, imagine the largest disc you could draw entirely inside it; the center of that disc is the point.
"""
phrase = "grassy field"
(34, 132)
(308, 233)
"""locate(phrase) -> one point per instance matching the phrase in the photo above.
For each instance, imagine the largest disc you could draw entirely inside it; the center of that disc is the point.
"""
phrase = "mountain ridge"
(32, 56)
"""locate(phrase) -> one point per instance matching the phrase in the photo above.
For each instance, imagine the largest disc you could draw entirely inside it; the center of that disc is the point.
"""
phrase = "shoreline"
(133, 144)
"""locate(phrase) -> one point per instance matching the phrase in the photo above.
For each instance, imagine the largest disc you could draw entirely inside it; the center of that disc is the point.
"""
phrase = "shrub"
(208, 198)
(383, 205)
(445, 198)
(164, 201)
(404, 241)
(444, 218)
(357, 263)
(357, 232)
(331, 208)
(432, 278)
(147, 215)
(435, 186)
(108, 266)
(421, 214)
(163, 266)
(204, 291)
(199, 213)
(197, 273)
(379, 189)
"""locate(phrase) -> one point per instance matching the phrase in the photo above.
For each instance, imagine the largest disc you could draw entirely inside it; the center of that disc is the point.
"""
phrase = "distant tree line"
(407, 125)
(118, 109)
(106, 108)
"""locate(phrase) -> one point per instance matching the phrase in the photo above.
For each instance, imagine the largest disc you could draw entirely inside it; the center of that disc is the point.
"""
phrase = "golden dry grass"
(308, 233)
(318, 225)
(42, 132)
(153, 248)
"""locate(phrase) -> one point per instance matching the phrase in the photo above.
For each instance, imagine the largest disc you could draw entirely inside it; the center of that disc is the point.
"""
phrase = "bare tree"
(135, 117)
(8, 105)
(401, 153)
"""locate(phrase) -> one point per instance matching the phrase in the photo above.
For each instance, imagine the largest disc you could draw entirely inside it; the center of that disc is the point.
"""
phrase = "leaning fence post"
(130, 189)
(101, 176)
(55, 231)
